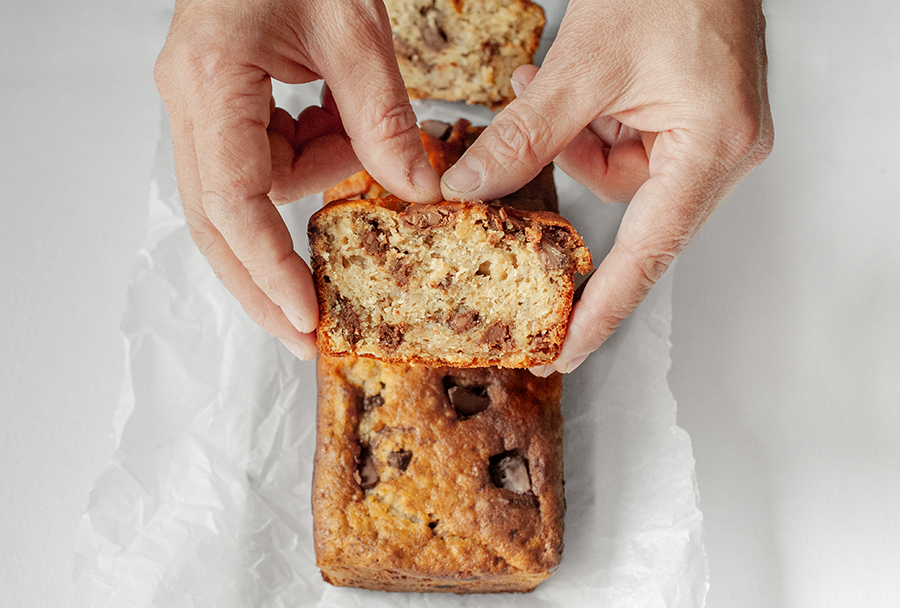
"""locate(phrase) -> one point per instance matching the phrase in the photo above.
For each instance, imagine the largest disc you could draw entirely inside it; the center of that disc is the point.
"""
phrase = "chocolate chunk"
(463, 321)
(498, 336)
(399, 459)
(390, 336)
(554, 254)
(434, 524)
(372, 240)
(467, 402)
(509, 471)
(505, 219)
(438, 129)
(433, 35)
(366, 473)
(348, 319)
(422, 217)
(541, 343)
(466, 398)
(370, 402)
(400, 272)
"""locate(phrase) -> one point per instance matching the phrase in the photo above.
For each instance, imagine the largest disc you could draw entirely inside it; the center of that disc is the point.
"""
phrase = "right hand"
(237, 155)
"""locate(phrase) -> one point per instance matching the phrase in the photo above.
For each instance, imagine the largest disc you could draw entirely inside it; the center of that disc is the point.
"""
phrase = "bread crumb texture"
(464, 50)
(456, 284)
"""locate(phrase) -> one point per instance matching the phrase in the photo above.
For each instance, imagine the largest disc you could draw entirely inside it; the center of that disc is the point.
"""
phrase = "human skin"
(237, 156)
(659, 103)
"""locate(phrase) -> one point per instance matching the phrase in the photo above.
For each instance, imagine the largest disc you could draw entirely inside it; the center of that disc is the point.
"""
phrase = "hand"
(237, 155)
(658, 102)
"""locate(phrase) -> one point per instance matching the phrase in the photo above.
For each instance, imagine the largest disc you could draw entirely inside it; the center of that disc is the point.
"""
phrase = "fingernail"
(303, 325)
(542, 371)
(298, 350)
(518, 87)
(423, 177)
(570, 366)
(463, 177)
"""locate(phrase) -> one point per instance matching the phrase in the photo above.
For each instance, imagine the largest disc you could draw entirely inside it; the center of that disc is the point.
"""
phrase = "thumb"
(374, 107)
(520, 141)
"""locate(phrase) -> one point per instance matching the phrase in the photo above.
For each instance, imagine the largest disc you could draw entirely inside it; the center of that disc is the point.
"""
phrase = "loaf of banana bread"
(437, 479)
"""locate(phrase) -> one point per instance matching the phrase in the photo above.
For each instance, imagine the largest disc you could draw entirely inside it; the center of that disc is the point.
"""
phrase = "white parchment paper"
(207, 499)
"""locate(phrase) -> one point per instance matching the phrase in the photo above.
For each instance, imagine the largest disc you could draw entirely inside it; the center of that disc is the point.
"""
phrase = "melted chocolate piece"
(468, 400)
(390, 336)
(463, 321)
(554, 252)
(438, 129)
(371, 402)
(433, 36)
(399, 459)
(372, 240)
(348, 319)
(400, 272)
(423, 217)
(498, 336)
(367, 474)
(509, 471)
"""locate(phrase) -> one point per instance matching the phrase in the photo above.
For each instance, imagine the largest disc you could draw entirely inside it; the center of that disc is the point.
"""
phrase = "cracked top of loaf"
(437, 479)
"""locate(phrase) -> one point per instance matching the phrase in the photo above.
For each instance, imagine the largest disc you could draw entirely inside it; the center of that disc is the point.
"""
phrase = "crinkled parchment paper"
(207, 499)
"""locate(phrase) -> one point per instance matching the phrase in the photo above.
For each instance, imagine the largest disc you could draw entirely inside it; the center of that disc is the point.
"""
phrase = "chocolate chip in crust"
(467, 400)
(423, 217)
(366, 474)
(438, 129)
(370, 402)
(509, 471)
(399, 459)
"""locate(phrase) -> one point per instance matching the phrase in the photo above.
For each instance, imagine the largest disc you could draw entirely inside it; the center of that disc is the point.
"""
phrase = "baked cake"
(462, 284)
(464, 50)
(437, 479)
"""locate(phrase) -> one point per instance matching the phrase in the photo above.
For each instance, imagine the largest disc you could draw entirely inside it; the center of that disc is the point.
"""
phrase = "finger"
(521, 140)
(612, 172)
(214, 248)
(370, 95)
(234, 164)
(256, 303)
(309, 155)
(608, 157)
(664, 215)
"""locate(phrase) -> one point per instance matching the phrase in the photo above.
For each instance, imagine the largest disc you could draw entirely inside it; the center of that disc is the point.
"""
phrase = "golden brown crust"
(437, 479)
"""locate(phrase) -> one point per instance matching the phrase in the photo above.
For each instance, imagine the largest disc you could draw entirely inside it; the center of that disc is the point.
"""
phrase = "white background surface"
(786, 341)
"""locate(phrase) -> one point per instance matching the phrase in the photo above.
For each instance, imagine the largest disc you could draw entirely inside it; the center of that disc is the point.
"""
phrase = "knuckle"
(649, 262)
(387, 121)
(516, 135)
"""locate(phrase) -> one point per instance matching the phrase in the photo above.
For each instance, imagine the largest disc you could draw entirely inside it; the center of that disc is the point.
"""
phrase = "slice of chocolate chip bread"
(452, 283)
(446, 480)
(464, 50)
